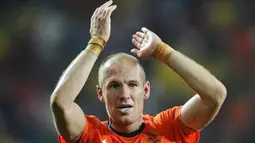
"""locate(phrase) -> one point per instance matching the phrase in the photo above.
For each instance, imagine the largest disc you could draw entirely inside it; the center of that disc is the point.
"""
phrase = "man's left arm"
(201, 109)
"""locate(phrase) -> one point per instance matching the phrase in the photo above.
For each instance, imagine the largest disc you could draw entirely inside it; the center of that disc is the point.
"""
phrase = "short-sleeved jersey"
(165, 127)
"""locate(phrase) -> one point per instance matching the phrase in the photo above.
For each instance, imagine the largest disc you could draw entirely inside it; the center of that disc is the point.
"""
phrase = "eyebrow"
(112, 82)
(116, 81)
(133, 81)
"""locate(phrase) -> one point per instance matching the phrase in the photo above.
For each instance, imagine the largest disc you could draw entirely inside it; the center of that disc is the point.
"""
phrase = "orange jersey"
(165, 127)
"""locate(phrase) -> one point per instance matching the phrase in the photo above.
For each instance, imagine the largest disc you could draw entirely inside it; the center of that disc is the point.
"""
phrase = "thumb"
(135, 51)
(145, 30)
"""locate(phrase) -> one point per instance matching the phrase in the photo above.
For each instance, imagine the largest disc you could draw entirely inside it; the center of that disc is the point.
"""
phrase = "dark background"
(38, 39)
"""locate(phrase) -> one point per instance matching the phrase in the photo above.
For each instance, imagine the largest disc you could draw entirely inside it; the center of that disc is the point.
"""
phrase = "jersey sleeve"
(92, 124)
(169, 123)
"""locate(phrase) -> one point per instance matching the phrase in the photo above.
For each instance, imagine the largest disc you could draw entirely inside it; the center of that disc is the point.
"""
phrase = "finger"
(136, 43)
(104, 13)
(140, 34)
(110, 10)
(94, 13)
(107, 4)
(145, 30)
(138, 39)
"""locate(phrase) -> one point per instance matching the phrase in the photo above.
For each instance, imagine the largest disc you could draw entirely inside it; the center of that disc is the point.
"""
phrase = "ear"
(100, 93)
(147, 90)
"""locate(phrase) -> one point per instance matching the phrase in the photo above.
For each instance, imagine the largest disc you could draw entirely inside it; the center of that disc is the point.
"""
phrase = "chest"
(144, 137)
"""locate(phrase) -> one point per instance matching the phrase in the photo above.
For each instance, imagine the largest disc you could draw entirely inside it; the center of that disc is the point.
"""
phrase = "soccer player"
(123, 89)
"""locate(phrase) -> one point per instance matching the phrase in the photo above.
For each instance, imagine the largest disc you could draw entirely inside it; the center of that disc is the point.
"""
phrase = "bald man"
(123, 89)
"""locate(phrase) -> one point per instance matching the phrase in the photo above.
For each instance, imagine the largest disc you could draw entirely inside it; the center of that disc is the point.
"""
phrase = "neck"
(126, 128)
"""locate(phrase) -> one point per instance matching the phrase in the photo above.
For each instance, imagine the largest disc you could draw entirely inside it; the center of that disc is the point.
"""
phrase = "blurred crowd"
(38, 39)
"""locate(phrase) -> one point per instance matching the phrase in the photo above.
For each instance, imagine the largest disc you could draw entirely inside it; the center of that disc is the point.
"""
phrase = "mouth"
(125, 109)
(125, 106)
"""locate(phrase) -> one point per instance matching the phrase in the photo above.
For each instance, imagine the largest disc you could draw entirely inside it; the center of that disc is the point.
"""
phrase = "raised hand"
(145, 42)
(101, 21)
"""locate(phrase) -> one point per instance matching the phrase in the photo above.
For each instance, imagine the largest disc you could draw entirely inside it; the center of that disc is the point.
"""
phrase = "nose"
(125, 93)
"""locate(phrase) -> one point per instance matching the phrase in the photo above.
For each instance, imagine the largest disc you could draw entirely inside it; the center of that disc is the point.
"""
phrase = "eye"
(115, 85)
(132, 85)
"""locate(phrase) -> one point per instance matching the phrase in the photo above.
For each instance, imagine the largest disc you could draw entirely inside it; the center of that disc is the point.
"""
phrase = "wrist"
(99, 39)
(163, 52)
(95, 45)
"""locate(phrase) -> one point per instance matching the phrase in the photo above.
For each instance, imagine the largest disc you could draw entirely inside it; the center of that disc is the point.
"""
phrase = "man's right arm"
(68, 116)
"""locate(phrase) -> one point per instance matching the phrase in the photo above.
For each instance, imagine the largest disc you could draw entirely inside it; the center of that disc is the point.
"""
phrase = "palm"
(145, 43)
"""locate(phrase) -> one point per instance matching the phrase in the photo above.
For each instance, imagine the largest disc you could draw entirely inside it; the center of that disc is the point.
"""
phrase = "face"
(123, 91)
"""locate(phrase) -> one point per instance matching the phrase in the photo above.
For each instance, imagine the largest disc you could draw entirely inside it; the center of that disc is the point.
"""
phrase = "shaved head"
(122, 60)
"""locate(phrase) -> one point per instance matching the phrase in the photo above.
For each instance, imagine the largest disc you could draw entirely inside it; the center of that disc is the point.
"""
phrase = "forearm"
(198, 78)
(201, 108)
(74, 78)
(68, 116)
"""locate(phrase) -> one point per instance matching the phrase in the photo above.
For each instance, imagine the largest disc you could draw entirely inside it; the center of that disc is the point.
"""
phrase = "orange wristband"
(97, 40)
(100, 39)
(95, 45)
(163, 52)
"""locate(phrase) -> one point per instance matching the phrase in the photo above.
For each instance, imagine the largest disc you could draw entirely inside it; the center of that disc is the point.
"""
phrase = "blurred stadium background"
(38, 39)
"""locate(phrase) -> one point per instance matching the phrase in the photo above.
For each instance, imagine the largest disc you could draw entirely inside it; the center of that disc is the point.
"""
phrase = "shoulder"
(169, 114)
(163, 118)
(94, 122)
(167, 123)
(167, 120)
(94, 128)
